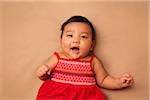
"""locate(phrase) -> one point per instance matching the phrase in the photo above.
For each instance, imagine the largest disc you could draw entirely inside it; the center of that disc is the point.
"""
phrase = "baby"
(75, 73)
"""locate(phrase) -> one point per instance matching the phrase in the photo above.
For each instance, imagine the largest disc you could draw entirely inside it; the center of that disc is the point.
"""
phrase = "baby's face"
(76, 41)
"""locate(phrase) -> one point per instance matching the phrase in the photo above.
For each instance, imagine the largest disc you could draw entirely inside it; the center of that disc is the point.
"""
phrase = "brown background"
(30, 31)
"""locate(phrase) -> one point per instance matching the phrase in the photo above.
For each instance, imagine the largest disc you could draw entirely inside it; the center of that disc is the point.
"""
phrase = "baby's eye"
(84, 36)
(69, 35)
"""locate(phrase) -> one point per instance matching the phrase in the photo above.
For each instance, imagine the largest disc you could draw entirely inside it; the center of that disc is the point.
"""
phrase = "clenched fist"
(43, 72)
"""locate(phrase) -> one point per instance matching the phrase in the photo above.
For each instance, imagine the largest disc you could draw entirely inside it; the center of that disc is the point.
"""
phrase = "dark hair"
(78, 19)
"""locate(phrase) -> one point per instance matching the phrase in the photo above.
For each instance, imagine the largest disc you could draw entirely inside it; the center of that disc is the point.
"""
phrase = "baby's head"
(77, 37)
(79, 19)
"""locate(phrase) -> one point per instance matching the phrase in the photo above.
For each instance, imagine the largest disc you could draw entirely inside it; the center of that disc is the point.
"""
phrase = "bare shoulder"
(96, 60)
(53, 58)
(98, 65)
(52, 61)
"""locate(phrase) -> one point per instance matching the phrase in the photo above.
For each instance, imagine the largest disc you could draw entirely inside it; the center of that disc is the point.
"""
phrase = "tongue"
(75, 50)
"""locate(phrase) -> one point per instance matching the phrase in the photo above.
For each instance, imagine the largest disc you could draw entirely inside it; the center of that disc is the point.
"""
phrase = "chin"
(75, 57)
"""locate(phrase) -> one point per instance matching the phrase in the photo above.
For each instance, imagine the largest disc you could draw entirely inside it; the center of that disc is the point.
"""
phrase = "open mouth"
(75, 49)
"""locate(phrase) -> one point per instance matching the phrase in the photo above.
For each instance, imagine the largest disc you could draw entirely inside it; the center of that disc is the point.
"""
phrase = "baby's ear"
(92, 46)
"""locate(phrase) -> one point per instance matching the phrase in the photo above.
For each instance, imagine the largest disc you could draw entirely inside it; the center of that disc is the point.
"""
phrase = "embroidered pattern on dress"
(73, 72)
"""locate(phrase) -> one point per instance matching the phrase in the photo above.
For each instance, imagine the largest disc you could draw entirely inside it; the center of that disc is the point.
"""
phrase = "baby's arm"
(109, 82)
(44, 71)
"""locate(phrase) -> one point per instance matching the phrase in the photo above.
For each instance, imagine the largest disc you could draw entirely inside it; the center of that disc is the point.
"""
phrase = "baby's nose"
(76, 40)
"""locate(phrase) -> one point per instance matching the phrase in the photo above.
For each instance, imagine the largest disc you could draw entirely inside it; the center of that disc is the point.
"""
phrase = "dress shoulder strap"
(57, 55)
(91, 59)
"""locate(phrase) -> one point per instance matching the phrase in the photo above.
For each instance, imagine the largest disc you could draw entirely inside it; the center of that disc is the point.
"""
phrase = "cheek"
(85, 49)
(86, 45)
(65, 42)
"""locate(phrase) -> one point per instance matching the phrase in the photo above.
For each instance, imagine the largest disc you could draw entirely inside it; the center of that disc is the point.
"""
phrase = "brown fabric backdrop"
(30, 33)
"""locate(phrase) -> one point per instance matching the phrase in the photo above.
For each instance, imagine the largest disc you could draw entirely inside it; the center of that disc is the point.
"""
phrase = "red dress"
(71, 80)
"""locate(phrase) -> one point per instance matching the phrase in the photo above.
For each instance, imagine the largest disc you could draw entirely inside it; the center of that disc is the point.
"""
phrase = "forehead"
(81, 26)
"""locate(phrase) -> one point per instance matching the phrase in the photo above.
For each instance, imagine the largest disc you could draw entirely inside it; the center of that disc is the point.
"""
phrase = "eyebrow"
(84, 32)
(68, 31)
(80, 32)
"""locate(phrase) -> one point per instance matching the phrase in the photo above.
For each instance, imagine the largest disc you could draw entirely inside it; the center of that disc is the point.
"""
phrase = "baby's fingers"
(43, 70)
(131, 82)
(126, 81)
(127, 75)
(48, 71)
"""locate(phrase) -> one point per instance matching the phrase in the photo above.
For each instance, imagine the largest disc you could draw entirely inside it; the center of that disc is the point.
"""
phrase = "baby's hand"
(126, 80)
(42, 71)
